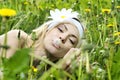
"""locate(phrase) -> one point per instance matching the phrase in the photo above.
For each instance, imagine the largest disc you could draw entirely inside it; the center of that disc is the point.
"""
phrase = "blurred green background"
(102, 34)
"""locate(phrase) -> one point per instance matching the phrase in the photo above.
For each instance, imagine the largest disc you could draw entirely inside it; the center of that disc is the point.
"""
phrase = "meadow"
(100, 53)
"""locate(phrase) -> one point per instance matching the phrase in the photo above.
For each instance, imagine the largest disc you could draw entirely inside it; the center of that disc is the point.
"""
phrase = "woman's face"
(61, 39)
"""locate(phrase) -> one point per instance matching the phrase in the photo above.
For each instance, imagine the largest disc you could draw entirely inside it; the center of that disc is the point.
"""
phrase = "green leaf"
(115, 71)
(19, 62)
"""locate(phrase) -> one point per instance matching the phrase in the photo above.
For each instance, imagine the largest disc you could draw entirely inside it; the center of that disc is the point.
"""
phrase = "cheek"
(52, 33)
(49, 36)
(68, 44)
(67, 47)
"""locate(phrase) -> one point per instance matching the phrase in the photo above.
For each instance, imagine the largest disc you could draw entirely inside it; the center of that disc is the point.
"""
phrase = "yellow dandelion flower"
(40, 7)
(117, 42)
(106, 10)
(118, 7)
(26, 3)
(34, 69)
(87, 10)
(110, 25)
(7, 12)
(52, 5)
(117, 33)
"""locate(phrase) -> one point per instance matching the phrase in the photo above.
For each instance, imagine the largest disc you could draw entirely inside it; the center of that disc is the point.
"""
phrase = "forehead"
(72, 29)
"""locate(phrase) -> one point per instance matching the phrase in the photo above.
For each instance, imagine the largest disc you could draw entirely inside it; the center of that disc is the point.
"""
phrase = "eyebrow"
(67, 29)
(74, 36)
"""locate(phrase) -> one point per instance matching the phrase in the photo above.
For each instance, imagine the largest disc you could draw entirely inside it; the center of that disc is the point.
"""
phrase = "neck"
(51, 57)
(42, 52)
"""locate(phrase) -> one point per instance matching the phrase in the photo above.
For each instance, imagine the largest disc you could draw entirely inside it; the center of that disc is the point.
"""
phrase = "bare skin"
(61, 39)
(66, 34)
(13, 41)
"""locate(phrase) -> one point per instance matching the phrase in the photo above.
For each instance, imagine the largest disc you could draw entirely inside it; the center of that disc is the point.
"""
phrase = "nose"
(63, 38)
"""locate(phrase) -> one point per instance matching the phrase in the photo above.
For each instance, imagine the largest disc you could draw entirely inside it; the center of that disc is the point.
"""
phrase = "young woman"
(54, 39)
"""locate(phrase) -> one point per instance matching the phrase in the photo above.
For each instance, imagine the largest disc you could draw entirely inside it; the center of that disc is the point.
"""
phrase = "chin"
(54, 52)
(51, 50)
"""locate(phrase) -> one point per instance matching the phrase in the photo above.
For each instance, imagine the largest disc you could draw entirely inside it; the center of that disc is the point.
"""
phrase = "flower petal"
(63, 14)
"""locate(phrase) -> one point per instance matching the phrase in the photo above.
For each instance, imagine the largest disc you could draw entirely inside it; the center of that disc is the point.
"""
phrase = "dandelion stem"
(108, 71)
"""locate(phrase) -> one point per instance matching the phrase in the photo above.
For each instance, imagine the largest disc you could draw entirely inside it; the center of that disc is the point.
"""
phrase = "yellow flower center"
(63, 17)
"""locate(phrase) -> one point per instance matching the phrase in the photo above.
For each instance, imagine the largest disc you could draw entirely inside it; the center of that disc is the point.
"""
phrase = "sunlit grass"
(100, 58)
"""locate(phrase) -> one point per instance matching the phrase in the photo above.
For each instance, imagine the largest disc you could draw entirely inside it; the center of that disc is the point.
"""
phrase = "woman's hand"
(70, 55)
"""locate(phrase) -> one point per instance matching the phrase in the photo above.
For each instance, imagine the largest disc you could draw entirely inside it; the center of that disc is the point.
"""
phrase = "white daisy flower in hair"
(58, 15)
(65, 16)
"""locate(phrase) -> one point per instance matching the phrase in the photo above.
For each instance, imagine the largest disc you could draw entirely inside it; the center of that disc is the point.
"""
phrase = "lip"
(56, 46)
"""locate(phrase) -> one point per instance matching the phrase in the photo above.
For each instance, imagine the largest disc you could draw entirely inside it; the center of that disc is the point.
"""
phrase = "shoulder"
(15, 34)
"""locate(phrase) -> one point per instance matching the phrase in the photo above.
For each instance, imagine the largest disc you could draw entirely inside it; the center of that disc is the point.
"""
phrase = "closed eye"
(72, 42)
(60, 29)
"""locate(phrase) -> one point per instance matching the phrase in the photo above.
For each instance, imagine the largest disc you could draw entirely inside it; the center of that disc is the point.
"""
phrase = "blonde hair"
(40, 34)
(41, 31)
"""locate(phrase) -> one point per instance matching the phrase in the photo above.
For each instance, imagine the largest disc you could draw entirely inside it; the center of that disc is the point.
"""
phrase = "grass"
(100, 58)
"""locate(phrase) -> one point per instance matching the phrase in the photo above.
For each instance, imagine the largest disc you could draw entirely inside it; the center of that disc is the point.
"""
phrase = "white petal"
(69, 10)
(63, 10)
(52, 13)
(57, 14)
(57, 11)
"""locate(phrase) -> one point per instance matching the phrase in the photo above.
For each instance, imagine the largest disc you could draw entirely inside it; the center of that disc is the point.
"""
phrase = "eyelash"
(60, 30)
(69, 39)
(71, 42)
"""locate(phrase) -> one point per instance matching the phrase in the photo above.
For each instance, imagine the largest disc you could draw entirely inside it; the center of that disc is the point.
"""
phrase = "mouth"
(56, 46)
(56, 43)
